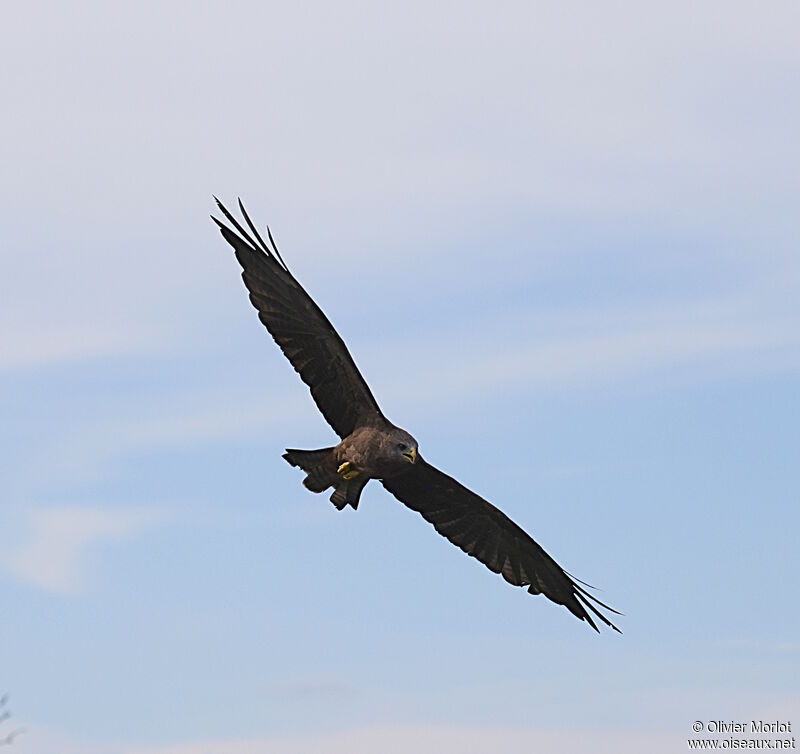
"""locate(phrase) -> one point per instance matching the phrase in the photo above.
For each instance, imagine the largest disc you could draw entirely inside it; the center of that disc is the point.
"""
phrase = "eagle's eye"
(402, 446)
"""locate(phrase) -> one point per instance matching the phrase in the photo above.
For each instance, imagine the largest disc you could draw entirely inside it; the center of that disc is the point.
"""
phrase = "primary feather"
(302, 331)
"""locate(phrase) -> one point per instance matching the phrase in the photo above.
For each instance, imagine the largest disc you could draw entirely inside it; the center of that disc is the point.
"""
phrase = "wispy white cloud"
(700, 341)
(215, 419)
(625, 354)
(54, 553)
(434, 739)
(538, 115)
(705, 339)
(44, 346)
(208, 418)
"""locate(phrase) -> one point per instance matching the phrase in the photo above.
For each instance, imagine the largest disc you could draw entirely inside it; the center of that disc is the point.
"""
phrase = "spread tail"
(320, 467)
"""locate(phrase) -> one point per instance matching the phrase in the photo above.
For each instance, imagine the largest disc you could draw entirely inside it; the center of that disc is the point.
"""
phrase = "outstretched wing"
(302, 331)
(486, 533)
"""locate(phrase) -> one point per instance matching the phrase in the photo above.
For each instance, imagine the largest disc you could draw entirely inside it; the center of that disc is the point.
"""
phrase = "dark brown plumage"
(371, 447)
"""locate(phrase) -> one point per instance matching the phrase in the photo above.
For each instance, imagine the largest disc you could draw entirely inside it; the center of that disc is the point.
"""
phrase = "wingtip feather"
(259, 246)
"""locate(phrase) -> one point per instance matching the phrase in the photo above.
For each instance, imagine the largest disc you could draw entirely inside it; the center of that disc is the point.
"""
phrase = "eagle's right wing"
(300, 328)
(486, 533)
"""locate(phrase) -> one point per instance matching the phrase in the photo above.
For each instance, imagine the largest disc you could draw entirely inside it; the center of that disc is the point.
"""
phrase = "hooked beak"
(411, 454)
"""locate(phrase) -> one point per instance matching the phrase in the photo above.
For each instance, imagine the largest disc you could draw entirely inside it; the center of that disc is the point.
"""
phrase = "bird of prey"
(372, 447)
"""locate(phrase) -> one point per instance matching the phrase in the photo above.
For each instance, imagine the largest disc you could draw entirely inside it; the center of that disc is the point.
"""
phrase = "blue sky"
(562, 246)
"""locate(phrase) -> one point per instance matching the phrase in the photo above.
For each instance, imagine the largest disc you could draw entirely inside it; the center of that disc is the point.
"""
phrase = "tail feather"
(320, 468)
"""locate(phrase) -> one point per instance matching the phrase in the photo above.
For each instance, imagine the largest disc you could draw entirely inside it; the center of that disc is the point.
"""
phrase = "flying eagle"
(372, 447)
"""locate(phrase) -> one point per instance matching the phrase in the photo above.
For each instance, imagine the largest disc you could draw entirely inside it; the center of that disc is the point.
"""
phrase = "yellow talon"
(347, 471)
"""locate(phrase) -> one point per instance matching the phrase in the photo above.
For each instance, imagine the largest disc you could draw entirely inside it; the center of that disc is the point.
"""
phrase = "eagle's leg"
(348, 471)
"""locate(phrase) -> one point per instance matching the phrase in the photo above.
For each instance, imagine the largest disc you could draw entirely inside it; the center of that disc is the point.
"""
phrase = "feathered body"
(368, 452)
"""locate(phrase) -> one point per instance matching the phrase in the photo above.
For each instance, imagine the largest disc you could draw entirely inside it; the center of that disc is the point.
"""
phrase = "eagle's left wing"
(486, 533)
(299, 327)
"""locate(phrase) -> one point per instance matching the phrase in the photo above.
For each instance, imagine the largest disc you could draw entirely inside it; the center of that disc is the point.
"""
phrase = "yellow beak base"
(411, 454)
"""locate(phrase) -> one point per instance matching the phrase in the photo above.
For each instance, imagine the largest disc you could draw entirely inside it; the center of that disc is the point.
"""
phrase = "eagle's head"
(403, 446)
